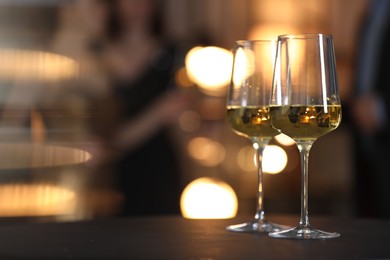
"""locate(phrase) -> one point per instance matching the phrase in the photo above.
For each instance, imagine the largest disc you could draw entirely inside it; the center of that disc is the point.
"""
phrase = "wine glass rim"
(304, 36)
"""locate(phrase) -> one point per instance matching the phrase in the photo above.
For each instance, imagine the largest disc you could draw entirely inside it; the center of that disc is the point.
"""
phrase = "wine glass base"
(303, 232)
(256, 227)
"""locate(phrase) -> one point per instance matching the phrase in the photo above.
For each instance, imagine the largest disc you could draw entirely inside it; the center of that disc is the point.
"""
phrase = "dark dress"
(148, 175)
(372, 151)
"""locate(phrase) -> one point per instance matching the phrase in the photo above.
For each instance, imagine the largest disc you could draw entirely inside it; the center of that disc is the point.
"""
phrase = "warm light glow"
(37, 126)
(245, 158)
(207, 198)
(274, 159)
(29, 155)
(35, 200)
(244, 65)
(206, 151)
(189, 121)
(39, 65)
(182, 78)
(270, 31)
(297, 59)
(210, 68)
(284, 140)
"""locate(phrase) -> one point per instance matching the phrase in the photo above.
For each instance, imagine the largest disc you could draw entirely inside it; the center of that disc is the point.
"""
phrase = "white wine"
(305, 123)
(252, 122)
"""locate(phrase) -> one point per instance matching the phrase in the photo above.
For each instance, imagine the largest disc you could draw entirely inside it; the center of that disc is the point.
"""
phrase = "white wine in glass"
(306, 123)
(251, 122)
(305, 105)
(248, 113)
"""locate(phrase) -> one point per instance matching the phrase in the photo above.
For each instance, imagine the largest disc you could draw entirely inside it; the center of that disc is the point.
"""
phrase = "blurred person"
(142, 67)
(371, 113)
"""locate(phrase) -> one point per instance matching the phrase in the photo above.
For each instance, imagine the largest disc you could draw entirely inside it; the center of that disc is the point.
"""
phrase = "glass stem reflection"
(259, 147)
(304, 150)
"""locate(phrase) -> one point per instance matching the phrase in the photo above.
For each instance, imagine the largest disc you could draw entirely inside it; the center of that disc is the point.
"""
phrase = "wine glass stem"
(304, 150)
(259, 147)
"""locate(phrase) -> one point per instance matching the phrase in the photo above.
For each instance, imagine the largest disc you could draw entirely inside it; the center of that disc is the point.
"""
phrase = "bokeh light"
(270, 31)
(206, 151)
(189, 121)
(208, 198)
(244, 65)
(245, 158)
(35, 200)
(182, 78)
(31, 64)
(274, 159)
(210, 68)
(284, 140)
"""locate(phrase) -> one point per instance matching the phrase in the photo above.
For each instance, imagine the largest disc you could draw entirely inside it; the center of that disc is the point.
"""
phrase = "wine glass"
(305, 105)
(248, 113)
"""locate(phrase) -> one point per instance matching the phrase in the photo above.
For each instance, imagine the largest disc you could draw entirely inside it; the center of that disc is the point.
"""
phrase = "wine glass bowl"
(305, 105)
(306, 123)
(248, 113)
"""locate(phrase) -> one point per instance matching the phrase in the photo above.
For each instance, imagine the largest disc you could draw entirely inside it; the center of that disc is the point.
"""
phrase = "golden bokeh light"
(206, 151)
(189, 121)
(270, 31)
(208, 198)
(210, 68)
(246, 158)
(30, 64)
(274, 159)
(284, 140)
(18, 200)
(182, 78)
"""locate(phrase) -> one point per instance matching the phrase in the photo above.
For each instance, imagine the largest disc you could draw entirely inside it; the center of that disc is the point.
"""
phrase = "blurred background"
(118, 108)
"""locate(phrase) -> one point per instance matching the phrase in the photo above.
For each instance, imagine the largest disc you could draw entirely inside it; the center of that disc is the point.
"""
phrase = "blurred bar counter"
(172, 237)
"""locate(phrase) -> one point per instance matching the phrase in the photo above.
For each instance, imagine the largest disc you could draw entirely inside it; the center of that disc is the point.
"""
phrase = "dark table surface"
(172, 237)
